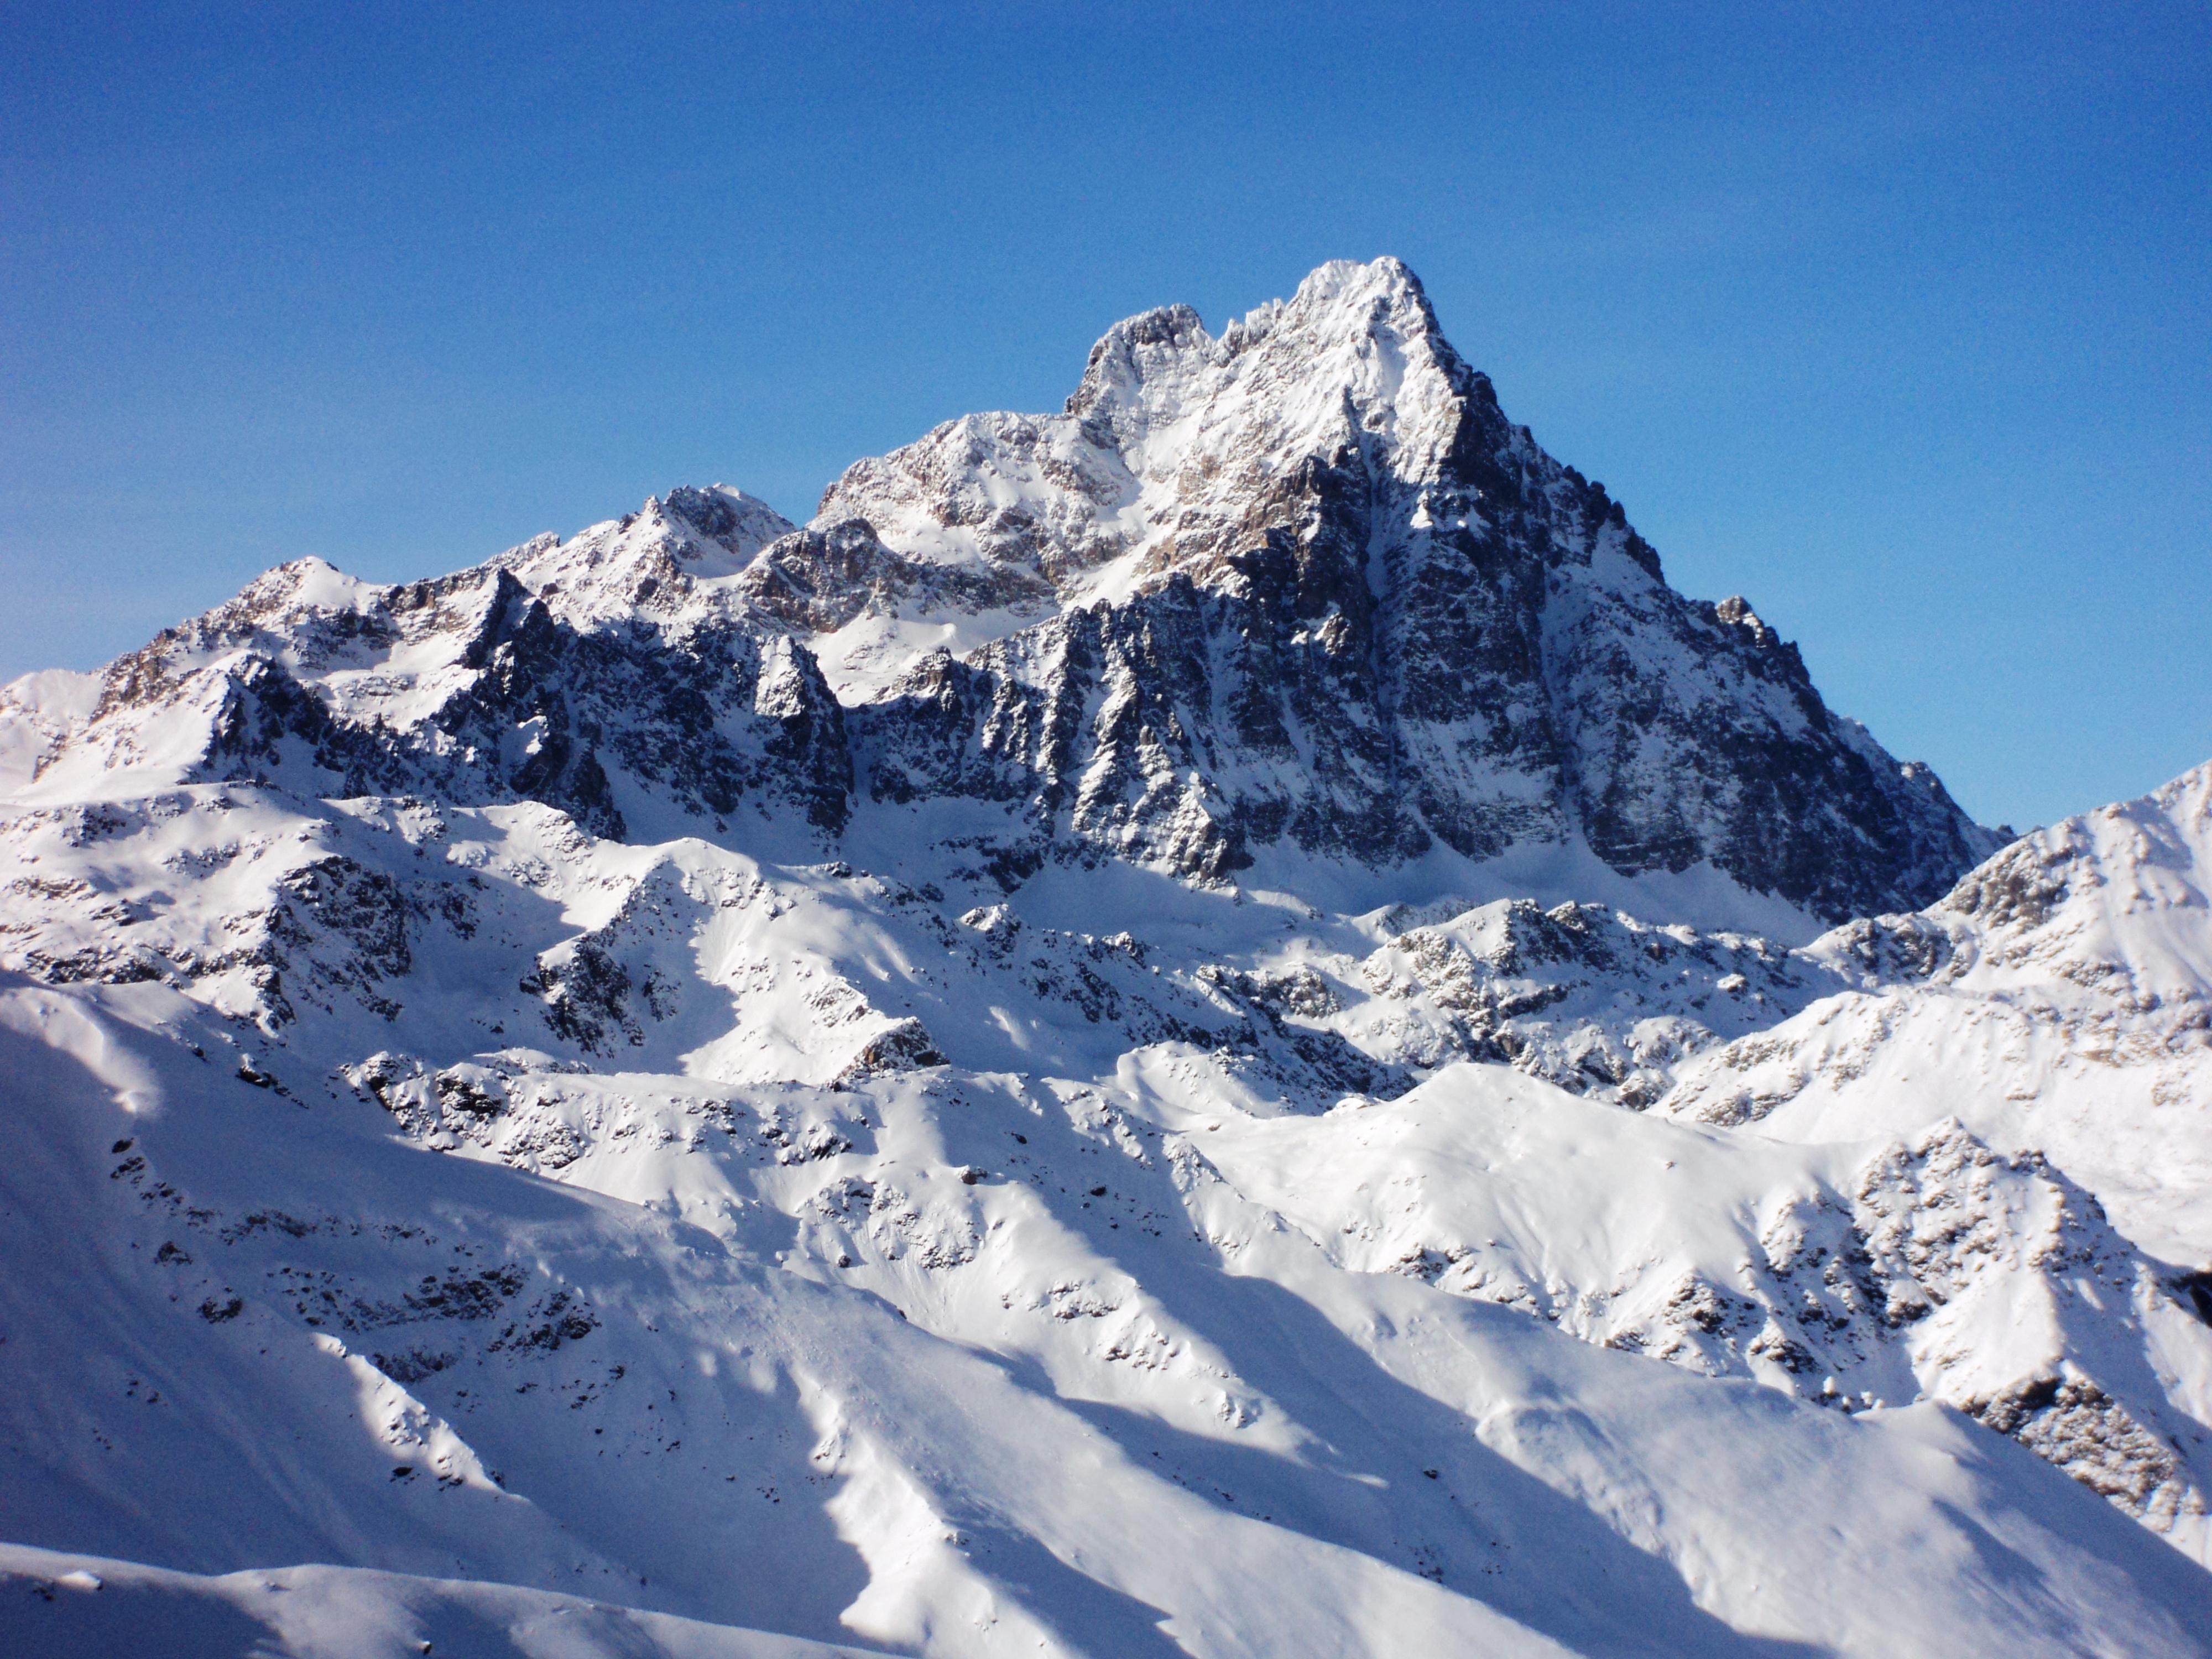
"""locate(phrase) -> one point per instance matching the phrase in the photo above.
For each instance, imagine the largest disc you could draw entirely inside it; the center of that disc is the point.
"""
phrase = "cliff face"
(1308, 584)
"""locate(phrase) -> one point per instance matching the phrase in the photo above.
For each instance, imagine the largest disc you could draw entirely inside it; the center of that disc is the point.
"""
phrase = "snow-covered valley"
(1212, 1025)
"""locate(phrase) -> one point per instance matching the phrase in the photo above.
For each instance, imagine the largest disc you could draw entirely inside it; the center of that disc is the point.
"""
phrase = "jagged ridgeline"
(1301, 590)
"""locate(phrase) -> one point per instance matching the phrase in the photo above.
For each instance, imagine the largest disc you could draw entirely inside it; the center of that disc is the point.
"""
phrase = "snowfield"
(1210, 1026)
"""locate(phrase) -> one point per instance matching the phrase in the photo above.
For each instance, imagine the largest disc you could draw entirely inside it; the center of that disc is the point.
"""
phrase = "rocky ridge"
(1303, 588)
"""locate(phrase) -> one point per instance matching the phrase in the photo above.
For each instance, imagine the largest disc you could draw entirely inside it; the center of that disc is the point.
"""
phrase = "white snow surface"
(62, 1606)
(2060, 999)
(1170, 428)
(972, 1281)
(428, 1220)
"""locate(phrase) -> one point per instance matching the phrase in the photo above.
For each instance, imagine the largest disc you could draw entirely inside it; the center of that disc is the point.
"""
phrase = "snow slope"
(2059, 998)
(1165, 1411)
(81, 1607)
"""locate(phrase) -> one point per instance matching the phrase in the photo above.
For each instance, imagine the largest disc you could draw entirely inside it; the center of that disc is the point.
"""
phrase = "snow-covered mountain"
(2060, 997)
(1199, 1025)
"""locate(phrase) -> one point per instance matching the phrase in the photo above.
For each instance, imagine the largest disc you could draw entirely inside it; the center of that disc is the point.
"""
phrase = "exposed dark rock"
(1373, 616)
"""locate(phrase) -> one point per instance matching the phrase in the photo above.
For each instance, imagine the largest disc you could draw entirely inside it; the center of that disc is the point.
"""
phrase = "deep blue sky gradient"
(1899, 324)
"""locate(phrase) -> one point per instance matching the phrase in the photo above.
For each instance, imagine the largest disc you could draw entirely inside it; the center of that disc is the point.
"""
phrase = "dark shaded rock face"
(1317, 589)
(476, 689)
(817, 581)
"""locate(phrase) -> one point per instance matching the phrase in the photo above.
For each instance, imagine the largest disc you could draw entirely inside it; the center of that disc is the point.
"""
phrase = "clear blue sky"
(1901, 325)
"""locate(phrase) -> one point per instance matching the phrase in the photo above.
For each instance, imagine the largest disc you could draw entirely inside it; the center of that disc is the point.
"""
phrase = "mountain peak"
(1417, 627)
(1376, 292)
(1249, 899)
(1356, 348)
(1298, 590)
